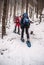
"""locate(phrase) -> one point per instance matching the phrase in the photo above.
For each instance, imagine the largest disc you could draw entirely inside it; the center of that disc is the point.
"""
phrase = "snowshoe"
(28, 43)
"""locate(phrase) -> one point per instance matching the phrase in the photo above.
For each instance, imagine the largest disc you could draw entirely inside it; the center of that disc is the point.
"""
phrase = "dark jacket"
(25, 15)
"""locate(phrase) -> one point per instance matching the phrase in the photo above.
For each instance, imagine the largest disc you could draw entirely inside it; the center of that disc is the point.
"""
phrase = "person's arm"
(21, 21)
(31, 22)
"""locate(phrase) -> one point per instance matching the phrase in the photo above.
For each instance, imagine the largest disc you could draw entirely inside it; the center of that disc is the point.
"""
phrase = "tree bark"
(7, 11)
(27, 6)
(0, 9)
(3, 18)
(22, 8)
(14, 9)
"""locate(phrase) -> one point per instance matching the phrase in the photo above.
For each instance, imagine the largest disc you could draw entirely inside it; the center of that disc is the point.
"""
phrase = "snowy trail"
(14, 52)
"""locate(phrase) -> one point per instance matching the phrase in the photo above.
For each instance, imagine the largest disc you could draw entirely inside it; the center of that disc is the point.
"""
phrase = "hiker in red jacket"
(17, 24)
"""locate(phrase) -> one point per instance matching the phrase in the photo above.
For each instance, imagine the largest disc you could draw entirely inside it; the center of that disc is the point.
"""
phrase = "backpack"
(26, 22)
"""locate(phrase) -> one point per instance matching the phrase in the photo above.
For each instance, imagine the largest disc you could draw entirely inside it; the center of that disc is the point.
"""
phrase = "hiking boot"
(14, 31)
(18, 33)
(22, 40)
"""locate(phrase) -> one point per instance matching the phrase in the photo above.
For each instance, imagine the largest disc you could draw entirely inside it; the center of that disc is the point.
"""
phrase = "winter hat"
(25, 15)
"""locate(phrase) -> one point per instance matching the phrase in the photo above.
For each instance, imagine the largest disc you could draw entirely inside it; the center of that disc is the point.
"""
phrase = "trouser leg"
(15, 29)
(18, 30)
(22, 33)
(27, 33)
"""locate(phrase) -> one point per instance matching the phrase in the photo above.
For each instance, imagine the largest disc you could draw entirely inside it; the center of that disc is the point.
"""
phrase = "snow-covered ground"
(15, 52)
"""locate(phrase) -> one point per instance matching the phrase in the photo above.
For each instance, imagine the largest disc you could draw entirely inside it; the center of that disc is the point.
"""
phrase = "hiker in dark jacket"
(25, 23)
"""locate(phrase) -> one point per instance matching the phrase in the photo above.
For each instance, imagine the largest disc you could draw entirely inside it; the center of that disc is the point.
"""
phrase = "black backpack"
(26, 22)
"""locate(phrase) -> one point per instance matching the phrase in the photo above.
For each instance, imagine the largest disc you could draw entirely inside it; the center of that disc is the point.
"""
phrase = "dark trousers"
(27, 33)
(18, 29)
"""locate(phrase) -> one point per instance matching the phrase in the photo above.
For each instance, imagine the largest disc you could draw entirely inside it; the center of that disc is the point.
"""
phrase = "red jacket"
(17, 21)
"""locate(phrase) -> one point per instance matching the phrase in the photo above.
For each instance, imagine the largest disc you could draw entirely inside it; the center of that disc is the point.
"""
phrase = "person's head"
(25, 15)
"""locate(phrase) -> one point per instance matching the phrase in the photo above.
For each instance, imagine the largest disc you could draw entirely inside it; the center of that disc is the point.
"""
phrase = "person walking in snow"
(17, 24)
(25, 24)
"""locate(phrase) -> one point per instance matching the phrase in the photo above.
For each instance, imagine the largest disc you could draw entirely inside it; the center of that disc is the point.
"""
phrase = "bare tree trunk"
(27, 6)
(7, 11)
(14, 8)
(10, 10)
(3, 18)
(22, 8)
(37, 9)
(40, 10)
(40, 17)
(0, 9)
